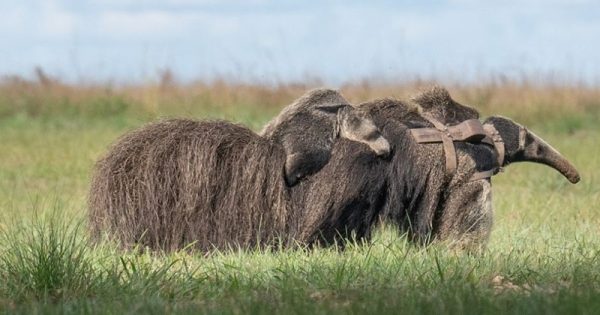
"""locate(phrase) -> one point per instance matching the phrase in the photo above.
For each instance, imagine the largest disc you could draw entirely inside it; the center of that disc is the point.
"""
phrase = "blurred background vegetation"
(559, 107)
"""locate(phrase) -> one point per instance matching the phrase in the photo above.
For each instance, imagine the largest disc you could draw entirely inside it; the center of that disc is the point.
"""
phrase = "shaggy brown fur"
(438, 103)
(181, 181)
(215, 184)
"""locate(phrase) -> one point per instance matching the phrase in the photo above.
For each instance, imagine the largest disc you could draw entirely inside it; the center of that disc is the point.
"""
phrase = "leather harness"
(472, 131)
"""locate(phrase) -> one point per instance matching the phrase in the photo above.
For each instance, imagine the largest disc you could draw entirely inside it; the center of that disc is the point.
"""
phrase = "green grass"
(543, 256)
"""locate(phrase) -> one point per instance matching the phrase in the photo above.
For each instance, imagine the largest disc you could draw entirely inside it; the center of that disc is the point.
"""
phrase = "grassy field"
(543, 257)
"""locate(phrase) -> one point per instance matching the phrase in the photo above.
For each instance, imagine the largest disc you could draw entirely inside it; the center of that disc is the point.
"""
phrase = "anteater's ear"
(522, 145)
(304, 163)
(438, 103)
(331, 108)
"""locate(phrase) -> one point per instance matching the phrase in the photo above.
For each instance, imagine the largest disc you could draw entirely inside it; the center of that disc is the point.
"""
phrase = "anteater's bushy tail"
(177, 182)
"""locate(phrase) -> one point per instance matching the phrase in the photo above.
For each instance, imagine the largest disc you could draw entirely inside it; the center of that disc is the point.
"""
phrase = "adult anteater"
(429, 191)
(217, 184)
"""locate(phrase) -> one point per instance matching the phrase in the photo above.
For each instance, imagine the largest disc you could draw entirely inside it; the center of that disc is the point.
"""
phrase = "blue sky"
(273, 41)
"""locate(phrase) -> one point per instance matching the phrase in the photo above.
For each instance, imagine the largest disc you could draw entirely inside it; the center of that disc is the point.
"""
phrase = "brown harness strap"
(447, 142)
(522, 137)
(482, 175)
(468, 131)
(496, 141)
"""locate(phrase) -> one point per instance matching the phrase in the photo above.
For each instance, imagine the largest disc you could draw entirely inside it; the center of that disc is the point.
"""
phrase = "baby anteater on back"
(217, 184)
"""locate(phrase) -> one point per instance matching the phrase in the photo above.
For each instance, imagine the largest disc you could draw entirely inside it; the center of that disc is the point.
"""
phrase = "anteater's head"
(464, 211)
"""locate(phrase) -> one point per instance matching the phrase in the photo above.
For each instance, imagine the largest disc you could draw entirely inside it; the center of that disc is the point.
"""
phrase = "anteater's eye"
(354, 122)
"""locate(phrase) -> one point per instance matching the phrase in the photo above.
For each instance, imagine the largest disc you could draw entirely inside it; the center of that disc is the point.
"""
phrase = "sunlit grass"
(543, 256)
